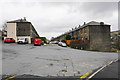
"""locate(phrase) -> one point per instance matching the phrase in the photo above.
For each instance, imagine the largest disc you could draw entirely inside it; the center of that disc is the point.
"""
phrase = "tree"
(4, 27)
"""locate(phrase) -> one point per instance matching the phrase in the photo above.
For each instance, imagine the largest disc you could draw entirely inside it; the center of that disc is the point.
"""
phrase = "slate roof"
(95, 23)
(85, 25)
(19, 20)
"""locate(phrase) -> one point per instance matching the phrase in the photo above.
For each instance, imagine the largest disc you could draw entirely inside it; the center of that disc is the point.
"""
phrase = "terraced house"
(21, 28)
(90, 36)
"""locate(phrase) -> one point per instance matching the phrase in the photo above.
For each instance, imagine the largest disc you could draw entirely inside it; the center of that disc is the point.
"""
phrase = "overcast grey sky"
(52, 18)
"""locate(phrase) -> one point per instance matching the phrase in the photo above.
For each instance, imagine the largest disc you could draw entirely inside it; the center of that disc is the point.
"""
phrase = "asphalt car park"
(50, 60)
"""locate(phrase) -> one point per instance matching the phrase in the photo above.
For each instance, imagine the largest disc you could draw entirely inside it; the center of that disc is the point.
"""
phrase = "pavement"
(50, 61)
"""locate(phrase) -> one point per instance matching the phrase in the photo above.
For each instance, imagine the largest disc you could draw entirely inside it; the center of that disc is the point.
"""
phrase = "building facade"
(115, 39)
(21, 28)
(90, 36)
(0, 34)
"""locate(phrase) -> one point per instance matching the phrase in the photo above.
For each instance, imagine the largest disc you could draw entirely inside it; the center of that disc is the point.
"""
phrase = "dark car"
(9, 40)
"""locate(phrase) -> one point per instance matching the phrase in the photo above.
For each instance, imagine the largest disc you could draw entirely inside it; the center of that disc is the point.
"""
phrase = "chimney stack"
(25, 18)
(101, 23)
(84, 23)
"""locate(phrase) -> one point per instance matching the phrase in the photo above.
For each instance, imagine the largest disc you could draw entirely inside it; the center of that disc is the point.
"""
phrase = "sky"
(52, 18)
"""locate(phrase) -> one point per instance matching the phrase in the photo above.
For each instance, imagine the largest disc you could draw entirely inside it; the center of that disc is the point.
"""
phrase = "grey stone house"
(21, 28)
(97, 35)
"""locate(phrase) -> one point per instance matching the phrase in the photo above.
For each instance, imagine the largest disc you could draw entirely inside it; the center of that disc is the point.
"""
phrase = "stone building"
(115, 35)
(93, 36)
(21, 28)
(115, 39)
(0, 34)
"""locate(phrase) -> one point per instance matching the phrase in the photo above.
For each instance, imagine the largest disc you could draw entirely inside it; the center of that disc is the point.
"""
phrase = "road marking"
(10, 77)
(101, 69)
(84, 76)
(97, 71)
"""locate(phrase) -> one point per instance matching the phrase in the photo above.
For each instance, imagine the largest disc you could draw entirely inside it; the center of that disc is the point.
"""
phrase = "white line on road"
(101, 69)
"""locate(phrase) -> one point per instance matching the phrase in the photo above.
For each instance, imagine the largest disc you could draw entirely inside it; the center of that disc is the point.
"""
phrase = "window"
(86, 38)
(84, 30)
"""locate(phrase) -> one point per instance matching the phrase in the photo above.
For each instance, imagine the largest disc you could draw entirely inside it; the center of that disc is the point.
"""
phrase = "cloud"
(54, 18)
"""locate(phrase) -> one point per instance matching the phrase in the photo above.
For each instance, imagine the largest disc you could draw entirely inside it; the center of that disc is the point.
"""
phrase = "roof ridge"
(19, 20)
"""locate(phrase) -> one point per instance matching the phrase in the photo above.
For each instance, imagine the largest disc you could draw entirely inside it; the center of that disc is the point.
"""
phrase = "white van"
(22, 40)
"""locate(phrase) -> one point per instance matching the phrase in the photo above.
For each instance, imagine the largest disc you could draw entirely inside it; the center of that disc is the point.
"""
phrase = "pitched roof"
(90, 23)
(96, 23)
(85, 25)
(93, 23)
(19, 20)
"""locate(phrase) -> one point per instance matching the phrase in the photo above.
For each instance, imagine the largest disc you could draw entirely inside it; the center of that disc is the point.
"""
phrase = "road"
(110, 72)
(50, 60)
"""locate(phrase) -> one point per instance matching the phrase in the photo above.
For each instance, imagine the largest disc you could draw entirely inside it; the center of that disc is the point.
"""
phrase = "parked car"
(62, 44)
(37, 42)
(54, 42)
(9, 40)
(59, 43)
(51, 42)
(23, 40)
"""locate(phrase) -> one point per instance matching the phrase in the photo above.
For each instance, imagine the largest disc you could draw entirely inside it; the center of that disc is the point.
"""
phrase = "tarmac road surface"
(111, 72)
(50, 60)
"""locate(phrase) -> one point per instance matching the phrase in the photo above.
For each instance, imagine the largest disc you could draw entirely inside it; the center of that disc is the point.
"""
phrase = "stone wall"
(100, 38)
(23, 29)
